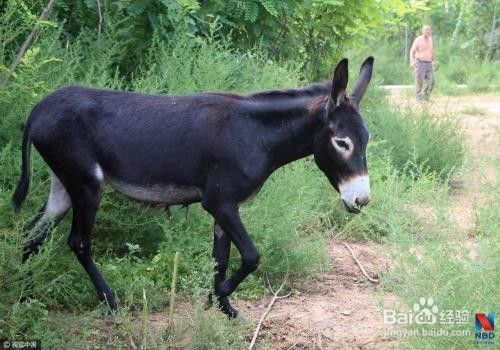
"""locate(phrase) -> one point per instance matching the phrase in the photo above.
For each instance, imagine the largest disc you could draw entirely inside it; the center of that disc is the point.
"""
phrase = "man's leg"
(419, 80)
(429, 77)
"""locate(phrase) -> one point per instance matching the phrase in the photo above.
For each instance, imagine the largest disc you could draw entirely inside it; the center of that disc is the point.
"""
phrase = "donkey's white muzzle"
(355, 193)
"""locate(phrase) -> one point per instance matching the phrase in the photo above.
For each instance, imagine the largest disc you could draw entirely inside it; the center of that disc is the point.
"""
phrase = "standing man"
(423, 63)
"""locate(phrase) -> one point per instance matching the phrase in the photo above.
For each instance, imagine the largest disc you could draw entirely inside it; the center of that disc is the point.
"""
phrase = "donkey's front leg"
(228, 217)
(221, 251)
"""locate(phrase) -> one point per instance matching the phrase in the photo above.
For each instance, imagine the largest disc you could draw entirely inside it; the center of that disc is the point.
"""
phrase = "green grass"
(446, 270)
(473, 110)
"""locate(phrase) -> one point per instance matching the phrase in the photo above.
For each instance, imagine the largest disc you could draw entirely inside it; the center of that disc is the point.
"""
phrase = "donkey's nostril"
(363, 201)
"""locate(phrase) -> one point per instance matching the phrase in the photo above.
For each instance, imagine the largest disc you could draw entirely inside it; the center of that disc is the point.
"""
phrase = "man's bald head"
(426, 30)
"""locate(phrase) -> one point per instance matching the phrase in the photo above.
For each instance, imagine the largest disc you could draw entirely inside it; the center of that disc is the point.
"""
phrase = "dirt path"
(335, 310)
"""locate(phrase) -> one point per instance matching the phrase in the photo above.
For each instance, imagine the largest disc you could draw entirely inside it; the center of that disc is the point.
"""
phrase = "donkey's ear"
(365, 75)
(339, 83)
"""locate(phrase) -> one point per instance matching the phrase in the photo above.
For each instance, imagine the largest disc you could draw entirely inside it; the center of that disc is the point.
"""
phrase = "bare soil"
(339, 309)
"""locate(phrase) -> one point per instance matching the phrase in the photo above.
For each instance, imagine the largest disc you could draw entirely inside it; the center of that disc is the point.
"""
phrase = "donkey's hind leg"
(85, 194)
(49, 216)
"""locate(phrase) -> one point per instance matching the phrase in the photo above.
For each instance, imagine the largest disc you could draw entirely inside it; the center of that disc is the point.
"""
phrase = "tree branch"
(99, 26)
(268, 309)
(372, 280)
(26, 43)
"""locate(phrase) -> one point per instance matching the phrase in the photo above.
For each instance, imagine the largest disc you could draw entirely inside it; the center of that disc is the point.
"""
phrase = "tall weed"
(432, 143)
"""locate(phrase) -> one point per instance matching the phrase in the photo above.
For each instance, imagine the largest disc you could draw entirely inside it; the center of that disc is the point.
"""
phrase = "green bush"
(390, 67)
(431, 143)
(485, 77)
(189, 66)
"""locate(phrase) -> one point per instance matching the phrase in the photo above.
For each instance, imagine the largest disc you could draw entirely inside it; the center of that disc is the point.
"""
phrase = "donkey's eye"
(342, 144)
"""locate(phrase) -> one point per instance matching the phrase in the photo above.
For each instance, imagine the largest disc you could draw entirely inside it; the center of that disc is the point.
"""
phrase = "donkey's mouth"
(351, 209)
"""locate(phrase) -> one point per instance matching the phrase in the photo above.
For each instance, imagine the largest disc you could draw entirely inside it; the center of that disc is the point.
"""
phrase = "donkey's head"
(340, 146)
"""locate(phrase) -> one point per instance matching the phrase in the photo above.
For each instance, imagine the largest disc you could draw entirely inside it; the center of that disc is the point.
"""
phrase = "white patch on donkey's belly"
(167, 194)
(58, 202)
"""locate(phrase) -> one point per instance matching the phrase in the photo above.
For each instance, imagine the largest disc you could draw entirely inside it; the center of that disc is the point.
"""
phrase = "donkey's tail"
(24, 182)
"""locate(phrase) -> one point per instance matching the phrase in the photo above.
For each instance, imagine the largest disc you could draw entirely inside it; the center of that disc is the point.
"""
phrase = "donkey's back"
(99, 112)
(133, 138)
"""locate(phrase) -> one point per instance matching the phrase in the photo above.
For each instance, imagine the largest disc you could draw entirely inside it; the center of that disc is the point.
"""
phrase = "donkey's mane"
(311, 90)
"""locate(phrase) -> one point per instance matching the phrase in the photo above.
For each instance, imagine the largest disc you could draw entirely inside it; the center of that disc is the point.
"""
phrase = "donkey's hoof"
(113, 311)
(108, 299)
(226, 308)
(112, 307)
(208, 303)
(239, 318)
(26, 298)
(232, 313)
(107, 310)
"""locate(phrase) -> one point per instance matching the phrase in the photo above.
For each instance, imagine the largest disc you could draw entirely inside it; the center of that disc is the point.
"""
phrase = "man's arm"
(433, 57)
(413, 50)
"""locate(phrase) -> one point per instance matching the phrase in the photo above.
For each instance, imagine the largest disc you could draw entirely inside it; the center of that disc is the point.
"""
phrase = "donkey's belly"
(164, 193)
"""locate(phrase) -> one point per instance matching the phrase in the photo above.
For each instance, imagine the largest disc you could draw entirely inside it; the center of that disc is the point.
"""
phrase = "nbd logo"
(485, 328)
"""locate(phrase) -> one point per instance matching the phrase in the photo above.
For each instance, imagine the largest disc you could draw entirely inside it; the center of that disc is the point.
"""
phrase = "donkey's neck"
(290, 127)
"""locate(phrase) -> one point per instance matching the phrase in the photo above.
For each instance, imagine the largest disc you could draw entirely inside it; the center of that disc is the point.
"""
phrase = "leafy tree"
(311, 32)
(466, 24)
(483, 29)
